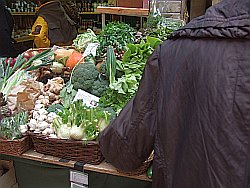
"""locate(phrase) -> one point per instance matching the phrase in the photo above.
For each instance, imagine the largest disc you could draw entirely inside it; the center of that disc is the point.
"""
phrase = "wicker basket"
(15, 147)
(141, 170)
(68, 149)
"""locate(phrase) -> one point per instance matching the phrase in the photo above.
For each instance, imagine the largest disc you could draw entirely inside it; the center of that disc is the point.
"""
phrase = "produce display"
(79, 122)
(81, 42)
(122, 89)
(160, 27)
(117, 35)
(45, 92)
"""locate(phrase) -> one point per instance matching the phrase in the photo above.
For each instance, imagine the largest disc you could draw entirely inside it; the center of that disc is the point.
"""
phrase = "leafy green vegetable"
(132, 66)
(111, 65)
(81, 42)
(117, 35)
(55, 108)
(161, 27)
(67, 95)
(10, 126)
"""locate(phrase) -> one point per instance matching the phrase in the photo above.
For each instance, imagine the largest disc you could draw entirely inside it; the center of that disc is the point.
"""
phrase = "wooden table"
(104, 167)
(122, 11)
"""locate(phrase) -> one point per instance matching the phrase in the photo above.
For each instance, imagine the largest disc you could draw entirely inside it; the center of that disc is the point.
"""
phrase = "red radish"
(12, 61)
(35, 53)
(26, 55)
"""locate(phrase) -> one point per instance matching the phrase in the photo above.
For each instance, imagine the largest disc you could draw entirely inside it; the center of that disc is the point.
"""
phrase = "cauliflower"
(84, 76)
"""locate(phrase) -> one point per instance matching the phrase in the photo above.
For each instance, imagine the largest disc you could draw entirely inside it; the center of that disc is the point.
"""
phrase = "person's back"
(192, 107)
(53, 26)
(7, 48)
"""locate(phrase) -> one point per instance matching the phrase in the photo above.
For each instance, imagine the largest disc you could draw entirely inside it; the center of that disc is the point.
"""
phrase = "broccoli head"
(84, 76)
(99, 87)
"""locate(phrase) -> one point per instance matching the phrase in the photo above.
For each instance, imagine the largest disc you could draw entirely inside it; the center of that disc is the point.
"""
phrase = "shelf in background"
(123, 11)
(89, 13)
(23, 13)
(23, 39)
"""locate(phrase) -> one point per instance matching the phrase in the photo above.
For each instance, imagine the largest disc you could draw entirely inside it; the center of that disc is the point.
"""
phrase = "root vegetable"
(63, 132)
(76, 133)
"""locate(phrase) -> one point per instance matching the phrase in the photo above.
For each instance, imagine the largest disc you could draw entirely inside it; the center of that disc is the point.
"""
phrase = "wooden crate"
(130, 3)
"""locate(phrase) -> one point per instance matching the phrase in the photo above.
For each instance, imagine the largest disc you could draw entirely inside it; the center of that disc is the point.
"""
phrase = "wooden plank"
(104, 167)
(130, 3)
(86, 13)
(31, 154)
(123, 11)
(107, 168)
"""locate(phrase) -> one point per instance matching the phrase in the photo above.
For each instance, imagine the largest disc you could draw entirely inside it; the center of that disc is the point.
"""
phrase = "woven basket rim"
(16, 140)
(44, 137)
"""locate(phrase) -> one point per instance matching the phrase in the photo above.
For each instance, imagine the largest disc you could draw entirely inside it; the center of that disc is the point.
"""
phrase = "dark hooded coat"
(61, 28)
(7, 47)
(192, 107)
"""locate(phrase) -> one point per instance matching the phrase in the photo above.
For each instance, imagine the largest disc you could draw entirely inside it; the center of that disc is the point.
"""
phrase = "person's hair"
(70, 9)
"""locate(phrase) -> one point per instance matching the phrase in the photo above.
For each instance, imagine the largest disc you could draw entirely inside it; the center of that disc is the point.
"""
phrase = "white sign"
(75, 185)
(88, 99)
(79, 178)
(91, 49)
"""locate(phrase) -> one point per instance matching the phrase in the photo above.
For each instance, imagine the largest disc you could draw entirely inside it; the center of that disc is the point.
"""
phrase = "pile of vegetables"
(79, 122)
(86, 77)
(12, 76)
(81, 42)
(161, 27)
(51, 91)
(13, 127)
(122, 55)
(120, 91)
(117, 35)
(4, 110)
(41, 121)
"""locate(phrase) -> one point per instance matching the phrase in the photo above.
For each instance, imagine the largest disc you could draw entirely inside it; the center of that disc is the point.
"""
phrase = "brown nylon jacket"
(192, 107)
(62, 29)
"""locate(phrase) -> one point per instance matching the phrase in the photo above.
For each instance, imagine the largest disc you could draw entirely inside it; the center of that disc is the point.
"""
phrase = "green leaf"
(154, 42)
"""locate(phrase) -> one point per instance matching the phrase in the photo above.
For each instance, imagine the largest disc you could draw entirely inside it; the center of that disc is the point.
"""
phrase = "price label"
(79, 178)
(91, 49)
(88, 99)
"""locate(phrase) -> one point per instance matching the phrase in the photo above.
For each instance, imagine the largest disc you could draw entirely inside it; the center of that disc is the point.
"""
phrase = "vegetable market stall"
(42, 164)
(122, 11)
(59, 99)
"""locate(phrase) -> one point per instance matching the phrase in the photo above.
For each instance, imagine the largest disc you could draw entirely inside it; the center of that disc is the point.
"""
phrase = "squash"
(61, 53)
(73, 59)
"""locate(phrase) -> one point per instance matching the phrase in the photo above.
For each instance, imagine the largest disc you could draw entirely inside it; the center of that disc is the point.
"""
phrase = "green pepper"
(150, 171)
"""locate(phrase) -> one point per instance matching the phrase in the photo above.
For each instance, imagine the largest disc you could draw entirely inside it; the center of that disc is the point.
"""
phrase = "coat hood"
(227, 19)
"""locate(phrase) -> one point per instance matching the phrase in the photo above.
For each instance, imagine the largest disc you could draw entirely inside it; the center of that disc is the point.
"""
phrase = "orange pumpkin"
(73, 59)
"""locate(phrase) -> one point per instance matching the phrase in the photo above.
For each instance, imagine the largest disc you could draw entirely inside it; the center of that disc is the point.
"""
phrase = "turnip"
(76, 133)
(63, 132)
